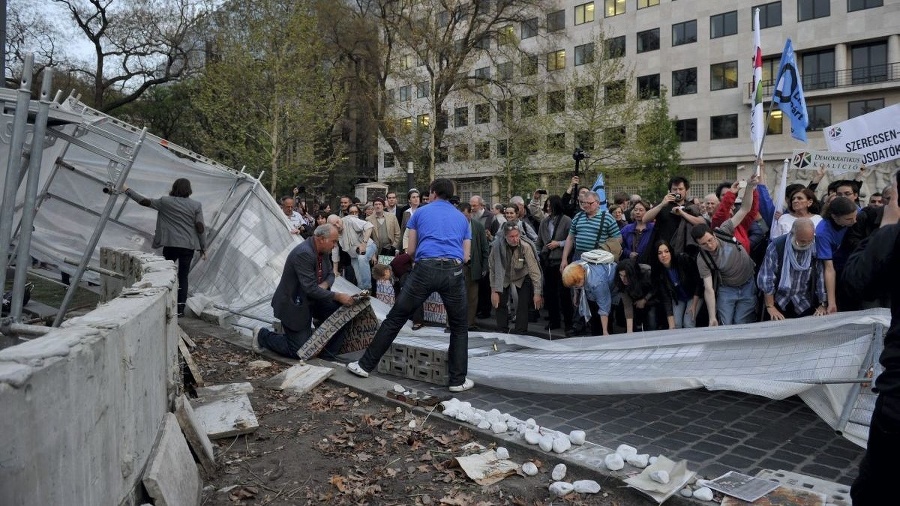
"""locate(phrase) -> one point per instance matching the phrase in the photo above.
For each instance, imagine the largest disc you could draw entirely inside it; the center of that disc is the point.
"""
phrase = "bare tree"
(29, 30)
(137, 44)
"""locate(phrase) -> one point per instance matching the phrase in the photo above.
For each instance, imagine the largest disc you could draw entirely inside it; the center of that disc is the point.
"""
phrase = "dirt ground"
(338, 447)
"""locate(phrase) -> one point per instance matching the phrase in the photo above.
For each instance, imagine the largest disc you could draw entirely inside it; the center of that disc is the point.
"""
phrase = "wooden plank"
(186, 338)
(191, 365)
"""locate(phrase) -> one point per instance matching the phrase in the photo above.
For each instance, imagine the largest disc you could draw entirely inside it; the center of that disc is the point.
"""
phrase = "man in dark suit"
(303, 294)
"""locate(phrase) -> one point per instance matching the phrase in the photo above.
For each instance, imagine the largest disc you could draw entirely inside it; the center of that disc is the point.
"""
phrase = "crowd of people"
(725, 258)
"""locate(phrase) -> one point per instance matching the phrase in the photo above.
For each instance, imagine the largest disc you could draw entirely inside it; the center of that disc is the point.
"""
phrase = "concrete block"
(215, 316)
(172, 478)
(195, 434)
(226, 416)
(300, 378)
(224, 389)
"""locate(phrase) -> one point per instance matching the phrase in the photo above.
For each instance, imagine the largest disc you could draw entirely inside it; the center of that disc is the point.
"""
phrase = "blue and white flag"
(600, 188)
(789, 93)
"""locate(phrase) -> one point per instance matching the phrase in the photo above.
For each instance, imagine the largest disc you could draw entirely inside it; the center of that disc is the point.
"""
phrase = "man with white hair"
(710, 203)
(792, 278)
(479, 212)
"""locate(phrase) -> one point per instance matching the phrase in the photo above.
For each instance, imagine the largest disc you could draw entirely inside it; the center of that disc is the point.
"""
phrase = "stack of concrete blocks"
(413, 362)
(84, 405)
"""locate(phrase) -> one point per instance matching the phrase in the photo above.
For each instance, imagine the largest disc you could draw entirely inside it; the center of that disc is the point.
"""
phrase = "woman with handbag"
(551, 239)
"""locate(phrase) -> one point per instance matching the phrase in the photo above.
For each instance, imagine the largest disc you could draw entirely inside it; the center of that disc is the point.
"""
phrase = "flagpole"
(764, 132)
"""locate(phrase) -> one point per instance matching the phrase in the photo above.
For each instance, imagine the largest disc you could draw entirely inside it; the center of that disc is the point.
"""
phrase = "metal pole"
(13, 163)
(410, 181)
(23, 255)
(98, 231)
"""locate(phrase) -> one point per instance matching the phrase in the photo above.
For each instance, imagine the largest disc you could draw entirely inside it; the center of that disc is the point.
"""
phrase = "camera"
(676, 196)
(579, 154)
(541, 191)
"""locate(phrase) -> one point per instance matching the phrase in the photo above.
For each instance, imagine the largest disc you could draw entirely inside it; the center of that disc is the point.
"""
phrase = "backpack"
(598, 256)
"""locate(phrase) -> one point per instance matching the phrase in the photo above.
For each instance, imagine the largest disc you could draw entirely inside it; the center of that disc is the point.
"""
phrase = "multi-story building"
(848, 53)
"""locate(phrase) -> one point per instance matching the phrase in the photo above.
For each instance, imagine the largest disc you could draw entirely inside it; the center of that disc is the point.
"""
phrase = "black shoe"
(551, 326)
(474, 327)
(327, 356)
(483, 316)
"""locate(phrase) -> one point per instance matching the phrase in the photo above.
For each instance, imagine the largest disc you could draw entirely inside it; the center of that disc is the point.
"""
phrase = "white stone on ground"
(614, 462)
(546, 442)
(652, 460)
(703, 493)
(511, 425)
(638, 460)
(561, 488)
(399, 388)
(559, 472)
(502, 452)
(484, 425)
(625, 450)
(577, 437)
(660, 476)
(529, 468)
(532, 437)
(498, 427)
(561, 444)
(586, 486)
(687, 492)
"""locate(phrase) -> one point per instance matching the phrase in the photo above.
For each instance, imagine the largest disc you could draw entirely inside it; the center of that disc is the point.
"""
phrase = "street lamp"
(409, 176)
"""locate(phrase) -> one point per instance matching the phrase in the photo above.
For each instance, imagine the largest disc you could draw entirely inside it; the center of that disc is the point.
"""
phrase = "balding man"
(484, 216)
(710, 203)
(792, 278)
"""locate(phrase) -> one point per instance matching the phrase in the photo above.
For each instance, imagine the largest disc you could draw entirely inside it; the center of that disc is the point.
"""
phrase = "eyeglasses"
(587, 202)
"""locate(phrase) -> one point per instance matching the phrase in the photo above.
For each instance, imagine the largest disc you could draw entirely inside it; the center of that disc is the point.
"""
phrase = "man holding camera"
(671, 212)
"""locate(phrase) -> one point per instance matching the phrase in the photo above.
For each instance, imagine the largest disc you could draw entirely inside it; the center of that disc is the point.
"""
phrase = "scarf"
(802, 263)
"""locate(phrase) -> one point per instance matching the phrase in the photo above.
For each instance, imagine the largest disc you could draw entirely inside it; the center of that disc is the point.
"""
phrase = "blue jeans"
(292, 340)
(430, 275)
(362, 268)
(683, 319)
(736, 304)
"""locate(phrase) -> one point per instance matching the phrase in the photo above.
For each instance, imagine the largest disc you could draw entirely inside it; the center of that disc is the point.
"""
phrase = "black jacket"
(298, 287)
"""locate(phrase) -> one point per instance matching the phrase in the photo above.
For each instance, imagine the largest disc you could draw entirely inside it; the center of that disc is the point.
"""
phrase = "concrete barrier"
(82, 405)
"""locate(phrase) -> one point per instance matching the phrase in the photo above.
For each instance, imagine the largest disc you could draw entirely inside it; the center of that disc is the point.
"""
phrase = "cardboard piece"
(485, 468)
(659, 492)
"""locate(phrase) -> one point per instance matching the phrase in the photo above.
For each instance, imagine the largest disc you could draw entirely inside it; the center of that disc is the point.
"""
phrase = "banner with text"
(834, 162)
(875, 136)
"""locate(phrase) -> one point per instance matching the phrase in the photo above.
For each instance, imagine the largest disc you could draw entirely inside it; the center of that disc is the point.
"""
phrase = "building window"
(686, 129)
(483, 42)
(460, 152)
(556, 21)
(613, 138)
(776, 123)
(584, 13)
(529, 106)
(502, 147)
(869, 62)
(584, 97)
(482, 113)
(440, 155)
(819, 117)
(584, 54)
(424, 120)
(482, 150)
(405, 125)
(643, 4)
(723, 75)
(584, 139)
(461, 117)
(529, 65)
(529, 28)
(770, 70)
(648, 40)
(406, 62)
(615, 47)
(556, 142)
(613, 8)
(769, 15)
(684, 82)
(504, 110)
(723, 127)
(648, 86)
(483, 74)
(858, 5)
(684, 33)
(388, 160)
(506, 35)
(818, 70)
(860, 107)
(722, 25)
(404, 93)
(505, 71)
(812, 9)
(556, 101)
(422, 89)
(556, 60)
(614, 93)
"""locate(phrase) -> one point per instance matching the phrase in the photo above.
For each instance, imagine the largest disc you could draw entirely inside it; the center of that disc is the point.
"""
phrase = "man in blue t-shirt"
(439, 242)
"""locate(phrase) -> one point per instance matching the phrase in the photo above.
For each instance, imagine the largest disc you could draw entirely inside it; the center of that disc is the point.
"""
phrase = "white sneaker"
(356, 369)
(466, 385)
(254, 341)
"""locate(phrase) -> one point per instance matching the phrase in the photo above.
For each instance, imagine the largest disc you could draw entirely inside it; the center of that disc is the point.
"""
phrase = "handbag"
(612, 245)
